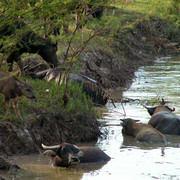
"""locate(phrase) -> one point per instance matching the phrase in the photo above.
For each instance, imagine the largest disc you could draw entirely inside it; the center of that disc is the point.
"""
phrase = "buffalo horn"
(50, 147)
(49, 153)
(144, 106)
(172, 109)
(163, 102)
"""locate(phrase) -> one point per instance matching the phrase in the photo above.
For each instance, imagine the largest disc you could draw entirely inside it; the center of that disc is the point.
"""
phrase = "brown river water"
(130, 160)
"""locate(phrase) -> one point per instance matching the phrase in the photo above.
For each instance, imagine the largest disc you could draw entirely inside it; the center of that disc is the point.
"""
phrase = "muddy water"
(130, 159)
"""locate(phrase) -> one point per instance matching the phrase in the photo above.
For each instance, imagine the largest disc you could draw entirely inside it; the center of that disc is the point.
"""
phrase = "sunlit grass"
(125, 15)
(157, 8)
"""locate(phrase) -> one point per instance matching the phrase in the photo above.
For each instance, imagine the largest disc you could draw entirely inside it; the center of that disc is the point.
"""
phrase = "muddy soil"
(112, 70)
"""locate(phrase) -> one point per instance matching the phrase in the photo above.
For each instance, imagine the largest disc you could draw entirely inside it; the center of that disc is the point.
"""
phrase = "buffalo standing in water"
(164, 120)
(90, 86)
(142, 132)
(66, 154)
(29, 42)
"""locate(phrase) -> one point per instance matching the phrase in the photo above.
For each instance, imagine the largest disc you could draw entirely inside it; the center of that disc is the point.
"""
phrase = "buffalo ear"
(122, 122)
(151, 110)
(130, 119)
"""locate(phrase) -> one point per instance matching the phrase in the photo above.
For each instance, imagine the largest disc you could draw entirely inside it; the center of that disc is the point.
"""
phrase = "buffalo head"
(153, 110)
(128, 126)
(162, 107)
(63, 155)
(48, 52)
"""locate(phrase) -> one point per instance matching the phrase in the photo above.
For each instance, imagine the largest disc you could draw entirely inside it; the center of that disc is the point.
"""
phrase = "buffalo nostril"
(75, 159)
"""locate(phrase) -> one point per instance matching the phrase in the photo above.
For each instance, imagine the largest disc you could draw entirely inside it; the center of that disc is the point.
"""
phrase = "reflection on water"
(130, 159)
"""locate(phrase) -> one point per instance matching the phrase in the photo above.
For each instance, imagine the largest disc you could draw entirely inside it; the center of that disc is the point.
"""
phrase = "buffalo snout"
(75, 160)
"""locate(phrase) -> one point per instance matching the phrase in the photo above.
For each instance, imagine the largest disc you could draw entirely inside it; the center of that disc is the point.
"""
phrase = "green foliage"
(120, 17)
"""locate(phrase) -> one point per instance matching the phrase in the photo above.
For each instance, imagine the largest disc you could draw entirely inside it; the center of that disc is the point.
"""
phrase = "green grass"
(124, 16)
(49, 97)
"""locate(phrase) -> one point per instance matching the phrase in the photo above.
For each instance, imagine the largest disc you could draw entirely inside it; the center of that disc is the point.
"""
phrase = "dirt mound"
(48, 128)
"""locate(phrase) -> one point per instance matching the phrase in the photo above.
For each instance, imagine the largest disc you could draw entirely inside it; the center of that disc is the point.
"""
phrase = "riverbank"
(111, 59)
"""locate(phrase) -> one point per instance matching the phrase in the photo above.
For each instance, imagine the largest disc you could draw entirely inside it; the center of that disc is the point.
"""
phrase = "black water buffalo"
(90, 86)
(66, 154)
(28, 42)
(164, 120)
(142, 132)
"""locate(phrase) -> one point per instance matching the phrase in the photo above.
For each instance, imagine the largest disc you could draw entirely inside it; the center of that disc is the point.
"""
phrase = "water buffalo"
(90, 86)
(164, 120)
(142, 132)
(66, 154)
(28, 42)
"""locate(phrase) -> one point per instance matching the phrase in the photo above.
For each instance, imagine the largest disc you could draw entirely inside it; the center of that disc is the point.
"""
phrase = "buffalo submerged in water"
(66, 154)
(89, 86)
(164, 120)
(142, 132)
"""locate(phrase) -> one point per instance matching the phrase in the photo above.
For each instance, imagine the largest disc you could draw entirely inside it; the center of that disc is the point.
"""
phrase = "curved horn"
(113, 102)
(50, 147)
(49, 153)
(163, 102)
(171, 109)
(144, 106)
